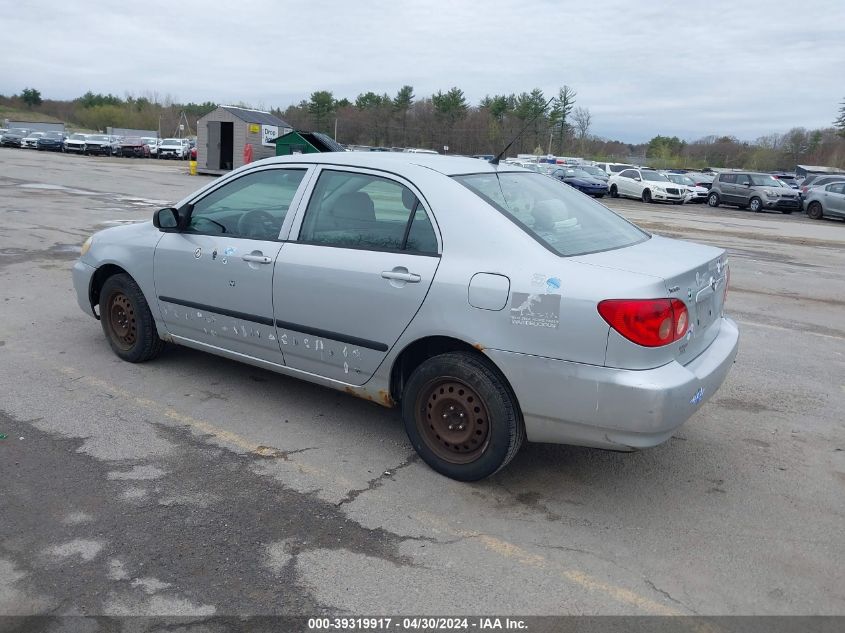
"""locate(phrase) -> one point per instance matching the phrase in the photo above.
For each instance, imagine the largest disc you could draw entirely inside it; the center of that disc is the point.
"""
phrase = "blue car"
(581, 180)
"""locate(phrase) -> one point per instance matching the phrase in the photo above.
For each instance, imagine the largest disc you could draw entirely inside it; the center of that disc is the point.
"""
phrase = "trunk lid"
(694, 273)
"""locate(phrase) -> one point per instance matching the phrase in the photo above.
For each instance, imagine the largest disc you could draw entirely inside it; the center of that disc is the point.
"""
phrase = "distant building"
(306, 143)
(223, 133)
(35, 126)
(803, 170)
(126, 132)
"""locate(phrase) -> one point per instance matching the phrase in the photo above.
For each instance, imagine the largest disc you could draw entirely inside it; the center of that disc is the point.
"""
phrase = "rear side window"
(729, 178)
(357, 210)
(837, 188)
(629, 173)
(556, 215)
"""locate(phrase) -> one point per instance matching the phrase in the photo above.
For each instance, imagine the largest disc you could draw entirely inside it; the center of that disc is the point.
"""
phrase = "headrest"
(354, 206)
(408, 199)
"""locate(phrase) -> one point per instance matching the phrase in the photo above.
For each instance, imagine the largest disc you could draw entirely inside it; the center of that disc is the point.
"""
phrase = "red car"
(134, 147)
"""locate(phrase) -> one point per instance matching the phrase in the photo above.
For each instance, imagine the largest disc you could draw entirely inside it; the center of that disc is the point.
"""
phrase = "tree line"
(556, 125)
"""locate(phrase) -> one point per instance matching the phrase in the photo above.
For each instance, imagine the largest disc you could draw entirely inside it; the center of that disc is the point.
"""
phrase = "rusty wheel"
(452, 420)
(123, 325)
(127, 321)
(461, 415)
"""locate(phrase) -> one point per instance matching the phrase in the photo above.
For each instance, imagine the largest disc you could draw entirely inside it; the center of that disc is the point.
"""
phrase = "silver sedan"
(489, 303)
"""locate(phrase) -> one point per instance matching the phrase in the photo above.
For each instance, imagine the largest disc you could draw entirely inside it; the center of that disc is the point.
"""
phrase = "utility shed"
(306, 143)
(223, 133)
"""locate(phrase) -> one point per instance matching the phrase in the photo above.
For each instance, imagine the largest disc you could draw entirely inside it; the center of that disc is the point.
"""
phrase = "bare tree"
(583, 119)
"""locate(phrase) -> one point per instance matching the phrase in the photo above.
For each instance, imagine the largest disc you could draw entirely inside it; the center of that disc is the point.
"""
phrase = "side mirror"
(166, 220)
(746, 184)
(638, 179)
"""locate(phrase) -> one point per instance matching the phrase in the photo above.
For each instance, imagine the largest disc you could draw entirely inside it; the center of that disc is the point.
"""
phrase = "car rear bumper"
(572, 403)
(82, 274)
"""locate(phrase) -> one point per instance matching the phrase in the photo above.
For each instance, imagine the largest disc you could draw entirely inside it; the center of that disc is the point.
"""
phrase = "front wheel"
(756, 205)
(127, 321)
(713, 200)
(461, 416)
(646, 196)
(814, 211)
(614, 191)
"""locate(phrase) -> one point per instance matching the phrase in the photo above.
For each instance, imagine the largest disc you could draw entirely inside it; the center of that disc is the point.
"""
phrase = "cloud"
(664, 67)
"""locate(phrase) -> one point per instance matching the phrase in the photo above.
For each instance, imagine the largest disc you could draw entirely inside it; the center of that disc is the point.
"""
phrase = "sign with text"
(269, 133)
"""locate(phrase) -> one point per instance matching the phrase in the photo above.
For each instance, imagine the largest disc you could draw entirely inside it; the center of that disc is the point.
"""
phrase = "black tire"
(614, 191)
(755, 204)
(127, 321)
(599, 195)
(477, 400)
(646, 197)
(713, 200)
(815, 211)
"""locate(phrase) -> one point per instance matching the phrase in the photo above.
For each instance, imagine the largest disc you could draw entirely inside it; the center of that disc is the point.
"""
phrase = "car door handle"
(411, 278)
(258, 259)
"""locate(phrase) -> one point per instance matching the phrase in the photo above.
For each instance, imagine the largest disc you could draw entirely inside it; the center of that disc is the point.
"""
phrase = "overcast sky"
(642, 67)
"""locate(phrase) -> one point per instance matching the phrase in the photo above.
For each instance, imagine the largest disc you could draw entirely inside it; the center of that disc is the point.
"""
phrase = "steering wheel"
(258, 223)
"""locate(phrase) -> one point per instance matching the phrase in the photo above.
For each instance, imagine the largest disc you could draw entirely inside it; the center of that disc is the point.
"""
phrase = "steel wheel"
(452, 420)
(121, 321)
(756, 205)
(814, 211)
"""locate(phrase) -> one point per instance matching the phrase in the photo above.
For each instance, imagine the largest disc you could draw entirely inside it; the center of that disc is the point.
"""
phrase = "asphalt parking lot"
(195, 485)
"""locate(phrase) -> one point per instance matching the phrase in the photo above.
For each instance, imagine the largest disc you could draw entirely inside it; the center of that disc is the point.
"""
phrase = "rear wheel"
(815, 211)
(614, 192)
(127, 321)
(756, 205)
(646, 196)
(461, 416)
(713, 200)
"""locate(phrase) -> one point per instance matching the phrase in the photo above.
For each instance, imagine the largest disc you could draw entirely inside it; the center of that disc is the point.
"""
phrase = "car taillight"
(647, 322)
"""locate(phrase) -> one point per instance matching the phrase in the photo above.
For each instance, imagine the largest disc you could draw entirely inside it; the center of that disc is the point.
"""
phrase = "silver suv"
(749, 190)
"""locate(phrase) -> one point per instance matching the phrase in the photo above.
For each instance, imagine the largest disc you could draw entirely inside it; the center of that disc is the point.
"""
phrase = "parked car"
(174, 148)
(694, 193)
(581, 180)
(75, 143)
(101, 144)
(826, 201)
(534, 312)
(816, 180)
(788, 179)
(595, 172)
(647, 185)
(14, 137)
(614, 168)
(700, 179)
(153, 143)
(30, 141)
(134, 147)
(751, 190)
(51, 142)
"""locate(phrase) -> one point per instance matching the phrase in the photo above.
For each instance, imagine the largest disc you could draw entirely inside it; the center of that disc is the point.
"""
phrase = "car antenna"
(495, 161)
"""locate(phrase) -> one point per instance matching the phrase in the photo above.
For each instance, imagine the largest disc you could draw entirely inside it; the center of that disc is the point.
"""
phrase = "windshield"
(171, 141)
(554, 214)
(577, 173)
(593, 171)
(760, 179)
(77, 137)
(680, 179)
(53, 135)
(653, 176)
(98, 137)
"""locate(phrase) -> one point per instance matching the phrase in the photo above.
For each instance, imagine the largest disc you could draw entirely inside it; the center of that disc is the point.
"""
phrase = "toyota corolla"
(489, 303)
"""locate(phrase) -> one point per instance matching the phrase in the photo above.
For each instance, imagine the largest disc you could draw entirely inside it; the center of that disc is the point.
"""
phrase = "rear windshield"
(559, 217)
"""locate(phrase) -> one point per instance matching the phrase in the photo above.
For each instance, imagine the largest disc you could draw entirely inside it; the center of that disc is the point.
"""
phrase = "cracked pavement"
(198, 486)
